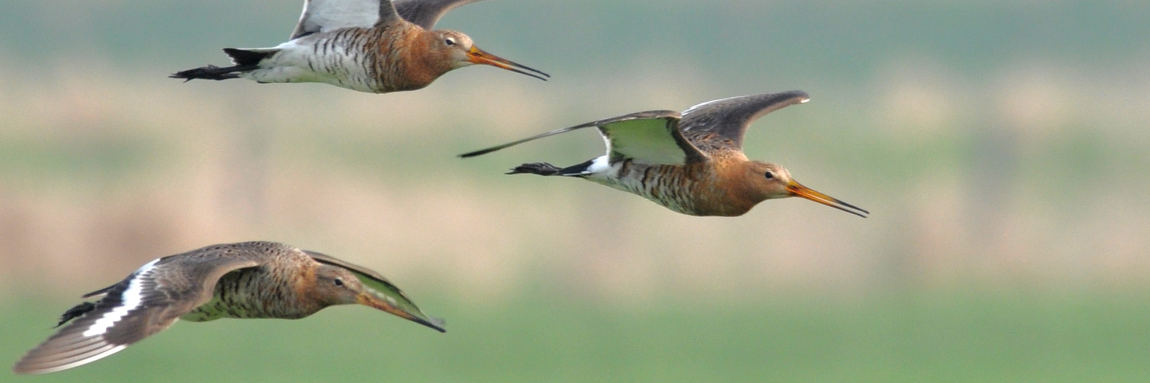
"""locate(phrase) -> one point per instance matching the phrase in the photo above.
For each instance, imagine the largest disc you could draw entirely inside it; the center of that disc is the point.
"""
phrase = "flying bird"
(240, 280)
(375, 46)
(692, 163)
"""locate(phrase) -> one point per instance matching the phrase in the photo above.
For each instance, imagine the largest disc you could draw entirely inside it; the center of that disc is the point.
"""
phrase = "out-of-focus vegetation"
(903, 339)
(1000, 146)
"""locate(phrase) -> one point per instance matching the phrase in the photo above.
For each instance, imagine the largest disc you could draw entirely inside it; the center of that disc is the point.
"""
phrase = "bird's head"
(453, 50)
(337, 285)
(769, 181)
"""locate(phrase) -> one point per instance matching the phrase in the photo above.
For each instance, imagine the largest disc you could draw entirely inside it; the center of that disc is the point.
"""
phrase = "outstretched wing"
(383, 289)
(329, 15)
(426, 13)
(148, 301)
(651, 137)
(724, 122)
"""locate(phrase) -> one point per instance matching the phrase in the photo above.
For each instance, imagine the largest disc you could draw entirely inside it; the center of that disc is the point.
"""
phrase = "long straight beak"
(799, 190)
(367, 299)
(478, 56)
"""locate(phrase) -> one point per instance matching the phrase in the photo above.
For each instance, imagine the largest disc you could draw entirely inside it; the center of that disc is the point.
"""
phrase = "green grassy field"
(1001, 147)
(936, 338)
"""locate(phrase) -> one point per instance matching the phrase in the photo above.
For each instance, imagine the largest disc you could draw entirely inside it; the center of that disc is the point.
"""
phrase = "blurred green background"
(1002, 148)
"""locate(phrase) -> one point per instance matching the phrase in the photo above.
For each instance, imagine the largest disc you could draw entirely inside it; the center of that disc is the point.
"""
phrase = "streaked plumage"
(375, 46)
(241, 280)
(692, 163)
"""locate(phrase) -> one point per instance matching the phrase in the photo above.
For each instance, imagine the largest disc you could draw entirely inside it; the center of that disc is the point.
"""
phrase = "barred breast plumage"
(258, 292)
(670, 186)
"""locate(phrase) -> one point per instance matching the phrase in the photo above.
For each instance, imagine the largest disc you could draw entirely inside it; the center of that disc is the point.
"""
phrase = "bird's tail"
(546, 169)
(245, 60)
(76, 312)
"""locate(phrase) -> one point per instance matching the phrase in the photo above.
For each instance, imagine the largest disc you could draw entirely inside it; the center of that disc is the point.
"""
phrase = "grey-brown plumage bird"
(240, 280)
(692, 163)
(375, 46)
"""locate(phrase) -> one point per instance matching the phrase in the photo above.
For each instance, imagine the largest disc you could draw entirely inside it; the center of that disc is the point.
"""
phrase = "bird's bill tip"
(370, 300)
(799, 190)
(478, 56)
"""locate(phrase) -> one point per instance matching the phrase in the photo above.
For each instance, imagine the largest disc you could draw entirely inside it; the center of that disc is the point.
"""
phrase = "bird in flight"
(240, 280)
(374, 46)
(692, 163)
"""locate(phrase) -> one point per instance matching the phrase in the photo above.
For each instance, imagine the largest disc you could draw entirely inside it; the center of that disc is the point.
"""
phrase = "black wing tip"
(477, 153)
(481, 152)
(796, 92)
(788, 97)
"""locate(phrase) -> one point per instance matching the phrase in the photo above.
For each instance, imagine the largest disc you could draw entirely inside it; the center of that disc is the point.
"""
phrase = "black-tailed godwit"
(241, 280)
(375, 46)
(692, 163)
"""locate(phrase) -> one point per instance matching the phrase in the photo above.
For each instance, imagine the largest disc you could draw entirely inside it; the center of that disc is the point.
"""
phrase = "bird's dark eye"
(770, 175)
(338, 282)
(449, 41)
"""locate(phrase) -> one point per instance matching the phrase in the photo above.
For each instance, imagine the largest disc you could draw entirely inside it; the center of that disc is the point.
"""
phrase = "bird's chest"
(679, 188)
(258, 292)
(363, 59)
(398, 60)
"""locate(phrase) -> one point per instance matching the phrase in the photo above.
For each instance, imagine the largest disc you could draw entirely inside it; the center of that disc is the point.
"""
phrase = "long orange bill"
(799, 190)
(370, 300)
(478, 56)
